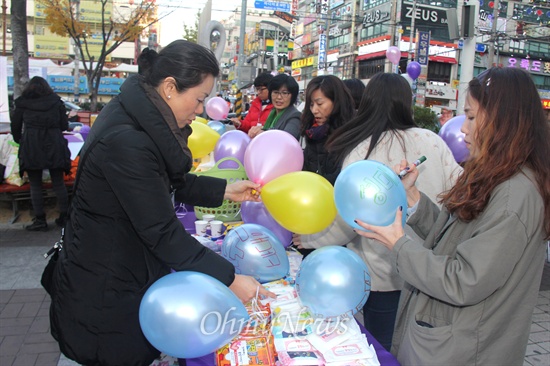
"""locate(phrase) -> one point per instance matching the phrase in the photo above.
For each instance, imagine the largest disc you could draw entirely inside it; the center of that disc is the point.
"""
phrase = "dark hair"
(284, 80)
(511, 132)
(188, 63)
(356, 88)
(334, 89)
(263, 79)
(386, 105)
(37, 87)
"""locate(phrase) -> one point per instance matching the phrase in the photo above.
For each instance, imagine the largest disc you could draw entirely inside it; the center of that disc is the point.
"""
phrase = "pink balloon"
(414, 69)
(231, 144)
(217, 108)
(393, 54)
(256, 213)
(454, 138)
(271, 154)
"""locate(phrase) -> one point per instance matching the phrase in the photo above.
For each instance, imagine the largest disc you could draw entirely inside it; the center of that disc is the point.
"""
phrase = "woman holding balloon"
(383, 130)
(122, 234)
(283, 92)
(472, 283)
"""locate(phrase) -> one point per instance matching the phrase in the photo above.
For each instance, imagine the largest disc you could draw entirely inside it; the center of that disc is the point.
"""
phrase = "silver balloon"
(255, 251)
(333, 281)
(190, 314)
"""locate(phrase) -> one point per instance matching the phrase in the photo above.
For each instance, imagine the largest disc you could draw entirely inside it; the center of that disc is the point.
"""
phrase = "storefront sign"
(423, 48)
(377, 15)
(322, 59)
(440, 91)
(530, 65)
(303, 62)
(424, 15)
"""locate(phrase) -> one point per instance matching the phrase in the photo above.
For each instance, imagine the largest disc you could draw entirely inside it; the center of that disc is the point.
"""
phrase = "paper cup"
(216, 228)
(200, 227)
(208, 217)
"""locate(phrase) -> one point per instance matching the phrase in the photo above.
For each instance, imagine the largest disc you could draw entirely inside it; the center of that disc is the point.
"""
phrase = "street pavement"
(24, 318)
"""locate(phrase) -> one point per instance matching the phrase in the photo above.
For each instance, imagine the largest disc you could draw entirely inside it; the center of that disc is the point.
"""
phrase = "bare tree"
(114, 29)
(21, 52)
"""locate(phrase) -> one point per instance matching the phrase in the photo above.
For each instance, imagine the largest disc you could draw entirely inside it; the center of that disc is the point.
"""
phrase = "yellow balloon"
(301, 202)
(203, 140)
(201, 120)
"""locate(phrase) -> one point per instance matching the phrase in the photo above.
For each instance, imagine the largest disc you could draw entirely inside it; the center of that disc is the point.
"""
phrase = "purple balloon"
(231, 144)
(256, 213)
(217, 108)
(413, 70)
(272, 154)
(454, 138)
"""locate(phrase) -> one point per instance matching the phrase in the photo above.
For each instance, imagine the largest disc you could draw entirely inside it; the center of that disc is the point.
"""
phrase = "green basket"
(229, 211)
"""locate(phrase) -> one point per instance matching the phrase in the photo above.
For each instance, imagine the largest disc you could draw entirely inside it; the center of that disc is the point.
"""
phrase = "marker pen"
(419, 161)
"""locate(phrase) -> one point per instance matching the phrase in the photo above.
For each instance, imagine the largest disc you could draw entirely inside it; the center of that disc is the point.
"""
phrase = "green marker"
(404, 172)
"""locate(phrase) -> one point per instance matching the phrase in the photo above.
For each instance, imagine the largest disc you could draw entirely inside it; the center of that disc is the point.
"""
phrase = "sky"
(181, 12)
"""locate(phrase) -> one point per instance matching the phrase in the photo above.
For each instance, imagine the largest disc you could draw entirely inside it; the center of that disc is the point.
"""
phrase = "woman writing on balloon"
(384, 130)
(472, 283)
(122, 234)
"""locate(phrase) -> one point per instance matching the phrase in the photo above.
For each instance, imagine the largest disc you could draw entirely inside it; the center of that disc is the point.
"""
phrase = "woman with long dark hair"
(384, 130)
(472, 282)
(329, 105)
(38, 122)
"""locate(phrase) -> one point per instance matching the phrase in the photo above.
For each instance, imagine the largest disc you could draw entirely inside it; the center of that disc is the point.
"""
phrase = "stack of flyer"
(300, 339)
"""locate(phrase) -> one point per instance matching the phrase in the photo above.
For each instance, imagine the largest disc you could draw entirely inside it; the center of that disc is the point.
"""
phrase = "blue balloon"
(190, 314)
(333, 281)
(217, 126)
(255, 251)
(370, 191)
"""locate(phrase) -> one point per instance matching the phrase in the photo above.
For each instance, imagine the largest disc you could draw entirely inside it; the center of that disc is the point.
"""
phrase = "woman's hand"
(409, 180)
(297, 241)
(255, 131)
(388, 235)
(246, 288)
(236, 122)
(243, 190)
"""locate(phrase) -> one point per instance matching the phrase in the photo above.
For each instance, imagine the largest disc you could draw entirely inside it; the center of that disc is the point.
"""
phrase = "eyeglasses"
(283, 94)
(260, 89)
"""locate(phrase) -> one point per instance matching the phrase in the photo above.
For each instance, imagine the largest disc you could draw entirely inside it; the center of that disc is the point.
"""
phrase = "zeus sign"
(424, 15)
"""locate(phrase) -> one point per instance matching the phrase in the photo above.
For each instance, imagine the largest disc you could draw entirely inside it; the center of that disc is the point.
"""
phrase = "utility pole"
(4, 27)
(76, 56)
(241, 44)
(467, 56)
(494, 37)
(411, 35)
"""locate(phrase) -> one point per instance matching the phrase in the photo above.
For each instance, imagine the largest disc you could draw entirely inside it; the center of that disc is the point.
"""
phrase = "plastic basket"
(229, 211)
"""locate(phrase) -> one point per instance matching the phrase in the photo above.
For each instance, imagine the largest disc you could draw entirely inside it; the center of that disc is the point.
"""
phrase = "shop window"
(439, 71)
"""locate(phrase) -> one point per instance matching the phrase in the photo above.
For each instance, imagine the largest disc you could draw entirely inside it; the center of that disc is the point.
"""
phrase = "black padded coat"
(38, 125)
(123, 234)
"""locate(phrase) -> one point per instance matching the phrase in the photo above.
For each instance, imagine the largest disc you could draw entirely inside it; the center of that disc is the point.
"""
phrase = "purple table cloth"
(385, 358)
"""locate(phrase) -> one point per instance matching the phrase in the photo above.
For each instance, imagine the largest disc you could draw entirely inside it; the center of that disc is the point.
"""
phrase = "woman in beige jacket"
(384, 130)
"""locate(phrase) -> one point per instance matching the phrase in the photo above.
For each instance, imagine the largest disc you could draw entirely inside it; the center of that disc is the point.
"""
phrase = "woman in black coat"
(38, 122)
(329, 105)
(123, 233)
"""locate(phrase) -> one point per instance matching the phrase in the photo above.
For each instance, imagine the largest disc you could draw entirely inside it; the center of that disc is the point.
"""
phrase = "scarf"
(272, 119)
(317, 132)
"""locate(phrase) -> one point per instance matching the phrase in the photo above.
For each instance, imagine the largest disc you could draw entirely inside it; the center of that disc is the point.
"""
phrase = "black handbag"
(47, 275)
